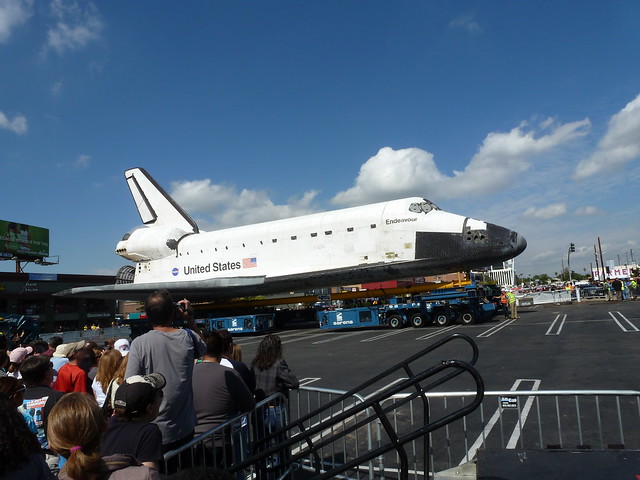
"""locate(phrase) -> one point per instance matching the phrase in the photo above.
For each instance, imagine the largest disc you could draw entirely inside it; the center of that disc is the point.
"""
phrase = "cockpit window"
(423, 207)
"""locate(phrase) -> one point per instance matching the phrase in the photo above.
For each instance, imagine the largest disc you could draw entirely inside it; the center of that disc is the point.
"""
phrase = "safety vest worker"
(513, 310)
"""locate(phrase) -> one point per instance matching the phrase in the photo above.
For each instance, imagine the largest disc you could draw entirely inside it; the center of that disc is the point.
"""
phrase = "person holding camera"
(170, 351)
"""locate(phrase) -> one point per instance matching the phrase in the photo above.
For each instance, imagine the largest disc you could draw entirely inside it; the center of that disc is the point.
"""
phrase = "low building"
(32, 294)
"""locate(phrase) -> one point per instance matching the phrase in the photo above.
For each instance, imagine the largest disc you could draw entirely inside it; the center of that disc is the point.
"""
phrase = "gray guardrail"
(98, 336)
(539, 298)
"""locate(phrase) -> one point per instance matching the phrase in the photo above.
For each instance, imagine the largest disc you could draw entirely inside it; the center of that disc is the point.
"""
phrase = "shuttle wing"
(192, 290)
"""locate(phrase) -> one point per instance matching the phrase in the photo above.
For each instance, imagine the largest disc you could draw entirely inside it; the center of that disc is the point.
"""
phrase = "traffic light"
(572, 248)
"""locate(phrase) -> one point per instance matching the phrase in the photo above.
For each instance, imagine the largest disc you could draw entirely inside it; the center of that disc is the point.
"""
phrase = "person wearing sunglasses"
(14, 389)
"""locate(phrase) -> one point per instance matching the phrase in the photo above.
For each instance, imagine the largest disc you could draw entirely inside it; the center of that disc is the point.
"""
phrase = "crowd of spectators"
(619, 289)
(79, 411)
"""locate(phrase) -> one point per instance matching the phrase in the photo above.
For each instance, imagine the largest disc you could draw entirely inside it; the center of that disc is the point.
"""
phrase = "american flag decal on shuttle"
(249, 262)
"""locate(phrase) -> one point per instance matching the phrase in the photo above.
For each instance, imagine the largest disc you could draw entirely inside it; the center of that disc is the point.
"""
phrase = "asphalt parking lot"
(589, 345)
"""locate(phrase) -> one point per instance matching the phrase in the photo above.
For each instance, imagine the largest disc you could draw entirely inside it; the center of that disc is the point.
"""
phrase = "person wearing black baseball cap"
(130, 431)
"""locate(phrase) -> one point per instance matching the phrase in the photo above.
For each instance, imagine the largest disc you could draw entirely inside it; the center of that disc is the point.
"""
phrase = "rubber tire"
(417, 320)
(394, 321)
(467, 317)
(442, 319)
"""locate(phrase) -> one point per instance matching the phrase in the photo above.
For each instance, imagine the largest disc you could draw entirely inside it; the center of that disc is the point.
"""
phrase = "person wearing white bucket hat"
(122, 345)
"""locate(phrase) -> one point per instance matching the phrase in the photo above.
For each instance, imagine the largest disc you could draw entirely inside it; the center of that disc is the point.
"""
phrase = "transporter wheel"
(394, 321)
(467, 317)
(417, 320)
(442, 318)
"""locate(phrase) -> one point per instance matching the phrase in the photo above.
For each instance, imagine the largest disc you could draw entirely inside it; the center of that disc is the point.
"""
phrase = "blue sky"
(524, 114)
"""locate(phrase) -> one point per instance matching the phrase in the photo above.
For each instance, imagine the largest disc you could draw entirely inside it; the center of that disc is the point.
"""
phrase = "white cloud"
(500, 159)
(13, 13)
(392, 174)
(546, 255)
(81, 161)
(74, 26)
(504, 156)
(546, 213)
(620, 144)
(56, 88)
(225, 206)
(548, 122)
(466, 22)
(17, 125)
(587, 211)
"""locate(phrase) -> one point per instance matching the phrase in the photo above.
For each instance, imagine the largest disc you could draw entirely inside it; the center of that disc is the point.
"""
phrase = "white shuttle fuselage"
(390, 240)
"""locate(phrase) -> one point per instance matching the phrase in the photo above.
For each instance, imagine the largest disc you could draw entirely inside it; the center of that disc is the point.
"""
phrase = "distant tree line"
(563, 276)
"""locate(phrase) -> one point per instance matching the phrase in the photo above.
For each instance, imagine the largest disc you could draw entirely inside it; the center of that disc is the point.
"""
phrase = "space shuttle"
(392, 240)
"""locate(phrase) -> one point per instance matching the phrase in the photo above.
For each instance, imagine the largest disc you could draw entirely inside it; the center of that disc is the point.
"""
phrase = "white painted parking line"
(440, 331)
(620, 321)
(347, 421)
(388, 385)
(384, 335)
(515, 435)
(333, 338)
(309, 380)
(305, 337)
(496, 328)
(524, 413)
(284, 336)
(553, 330)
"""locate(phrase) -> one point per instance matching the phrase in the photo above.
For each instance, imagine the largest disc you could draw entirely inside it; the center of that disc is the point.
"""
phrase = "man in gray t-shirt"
(171, 352)
(219, 392)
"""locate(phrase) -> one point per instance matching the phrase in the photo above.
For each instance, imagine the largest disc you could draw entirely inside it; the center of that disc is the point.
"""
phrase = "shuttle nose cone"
(493, 245)
(521, 243)
(504, 242)
(472, 248)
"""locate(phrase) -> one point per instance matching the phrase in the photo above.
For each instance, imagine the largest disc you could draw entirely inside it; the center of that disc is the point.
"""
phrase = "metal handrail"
(296, 432)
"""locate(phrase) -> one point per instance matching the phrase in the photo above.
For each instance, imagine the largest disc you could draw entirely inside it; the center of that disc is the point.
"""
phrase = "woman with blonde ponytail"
(74, 429)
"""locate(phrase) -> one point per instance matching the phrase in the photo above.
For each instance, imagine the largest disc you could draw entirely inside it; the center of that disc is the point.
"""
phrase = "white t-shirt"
(98, 392)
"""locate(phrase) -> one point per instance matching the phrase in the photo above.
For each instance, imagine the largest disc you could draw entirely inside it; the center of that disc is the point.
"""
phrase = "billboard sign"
(23, 241)
(615, 271)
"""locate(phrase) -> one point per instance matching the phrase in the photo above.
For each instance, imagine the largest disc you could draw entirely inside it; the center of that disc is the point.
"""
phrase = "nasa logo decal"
(175, 272)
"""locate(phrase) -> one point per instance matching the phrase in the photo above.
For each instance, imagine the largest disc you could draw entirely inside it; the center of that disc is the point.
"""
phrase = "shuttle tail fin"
(155, 206)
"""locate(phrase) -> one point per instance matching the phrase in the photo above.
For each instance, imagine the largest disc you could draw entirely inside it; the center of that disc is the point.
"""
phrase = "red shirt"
(71, 378)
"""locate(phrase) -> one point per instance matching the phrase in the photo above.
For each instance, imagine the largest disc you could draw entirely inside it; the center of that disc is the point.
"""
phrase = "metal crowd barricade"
(99, 335)
(539, 298)
(533, 420)
(548, 419)
(328, 445)
(335, 437)
(227, 445)
(407, 430)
